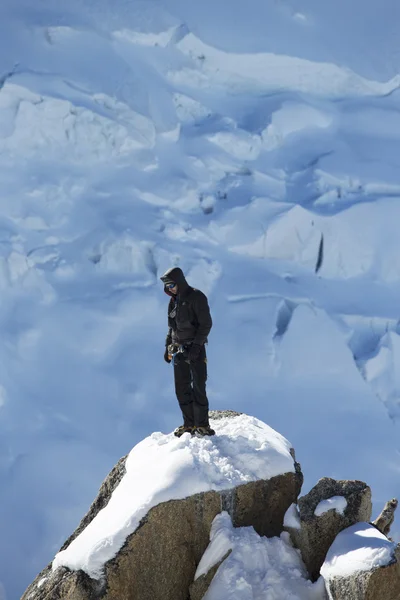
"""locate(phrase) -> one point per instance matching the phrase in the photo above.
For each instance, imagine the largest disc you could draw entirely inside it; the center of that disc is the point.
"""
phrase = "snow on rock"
(220, 544)
(42, 582)
(320, 525)
(337, 503)
(257, 567)
(358, 548)
(292, 517)
(163, 467)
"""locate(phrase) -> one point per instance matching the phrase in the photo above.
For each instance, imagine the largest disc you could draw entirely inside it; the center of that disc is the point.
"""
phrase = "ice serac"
(147, 538)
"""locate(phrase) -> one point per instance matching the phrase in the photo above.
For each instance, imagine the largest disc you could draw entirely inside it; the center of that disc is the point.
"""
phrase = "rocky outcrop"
(316, 533)
(362, 564)
(385, 519)
(222, 414)
(382, 583)
(158, 561)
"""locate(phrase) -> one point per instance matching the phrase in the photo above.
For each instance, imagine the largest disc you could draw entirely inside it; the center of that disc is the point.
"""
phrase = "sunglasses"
(169, 286)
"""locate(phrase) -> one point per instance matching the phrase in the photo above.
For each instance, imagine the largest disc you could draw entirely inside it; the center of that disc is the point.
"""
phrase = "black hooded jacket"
(189, 318)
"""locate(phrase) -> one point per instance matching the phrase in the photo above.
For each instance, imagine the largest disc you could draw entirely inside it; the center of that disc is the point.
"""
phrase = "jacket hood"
(175, 275)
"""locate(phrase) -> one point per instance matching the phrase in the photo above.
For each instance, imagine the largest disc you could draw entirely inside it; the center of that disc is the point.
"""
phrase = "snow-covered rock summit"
(150, 524)
(163, 467)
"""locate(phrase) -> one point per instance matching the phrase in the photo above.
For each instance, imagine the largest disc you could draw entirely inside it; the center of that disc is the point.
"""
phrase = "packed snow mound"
(163, 467)
(257, 567)
(358, 548)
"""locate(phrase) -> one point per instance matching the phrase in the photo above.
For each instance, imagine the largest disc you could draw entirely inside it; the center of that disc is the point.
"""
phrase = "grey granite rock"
(199, 587)
(317, 533)
(382, 583)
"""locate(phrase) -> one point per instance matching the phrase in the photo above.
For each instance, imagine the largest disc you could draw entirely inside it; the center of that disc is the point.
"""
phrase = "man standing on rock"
(189, 323)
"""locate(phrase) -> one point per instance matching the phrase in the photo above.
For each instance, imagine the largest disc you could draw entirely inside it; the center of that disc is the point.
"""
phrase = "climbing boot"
(183, 429)
(203, 431)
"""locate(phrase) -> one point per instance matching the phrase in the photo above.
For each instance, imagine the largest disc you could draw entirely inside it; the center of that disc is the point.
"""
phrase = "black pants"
(190, 389)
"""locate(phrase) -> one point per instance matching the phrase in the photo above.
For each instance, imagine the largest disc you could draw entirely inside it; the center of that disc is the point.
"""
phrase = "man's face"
(172, 288)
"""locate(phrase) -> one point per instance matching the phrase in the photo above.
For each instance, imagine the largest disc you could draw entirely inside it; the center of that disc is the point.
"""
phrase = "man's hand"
(166, 355)
(194, 352)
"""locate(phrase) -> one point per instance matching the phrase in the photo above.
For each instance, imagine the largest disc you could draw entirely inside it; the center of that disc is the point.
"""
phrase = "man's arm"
(202, 312)
(171, 321)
